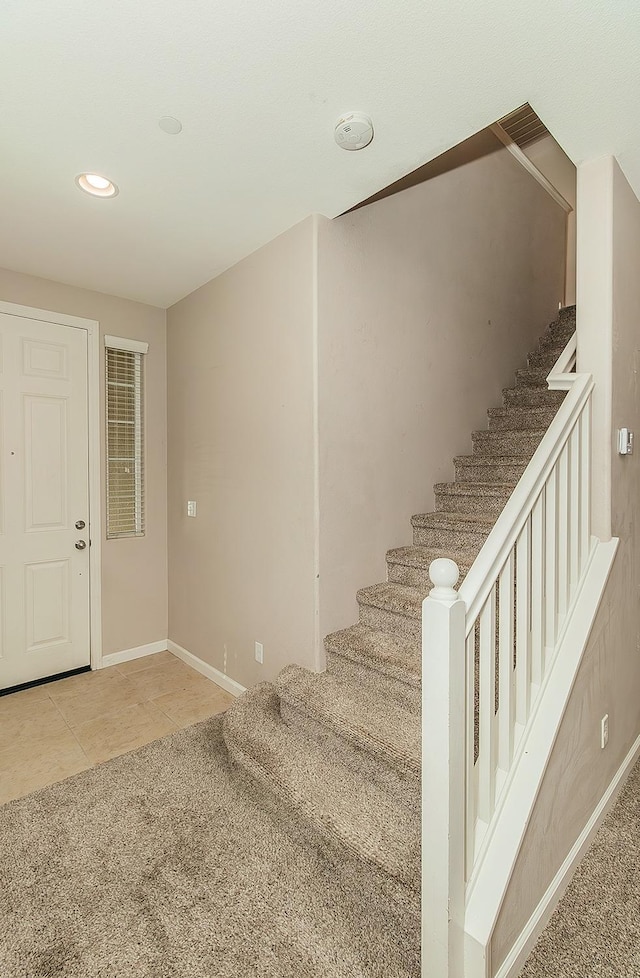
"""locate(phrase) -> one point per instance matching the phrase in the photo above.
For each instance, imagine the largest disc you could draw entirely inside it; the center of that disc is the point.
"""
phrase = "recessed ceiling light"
(170, 125)
(97, 186)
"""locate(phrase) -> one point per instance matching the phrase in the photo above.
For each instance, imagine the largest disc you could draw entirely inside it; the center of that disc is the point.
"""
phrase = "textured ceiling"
(258, 87)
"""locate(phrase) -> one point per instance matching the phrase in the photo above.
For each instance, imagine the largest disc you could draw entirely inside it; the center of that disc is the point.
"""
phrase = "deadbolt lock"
(80, 524)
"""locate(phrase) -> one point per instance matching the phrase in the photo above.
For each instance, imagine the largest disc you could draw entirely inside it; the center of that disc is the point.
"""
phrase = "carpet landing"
(163, 863)
(595, 929)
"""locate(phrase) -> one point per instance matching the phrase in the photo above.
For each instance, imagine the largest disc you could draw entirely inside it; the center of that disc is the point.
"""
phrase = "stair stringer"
(487, 887)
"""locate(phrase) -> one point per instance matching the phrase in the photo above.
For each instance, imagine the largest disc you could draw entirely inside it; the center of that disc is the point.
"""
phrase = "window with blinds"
(125, 442)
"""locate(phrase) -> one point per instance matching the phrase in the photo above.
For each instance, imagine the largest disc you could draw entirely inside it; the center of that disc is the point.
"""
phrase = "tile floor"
(50, 732)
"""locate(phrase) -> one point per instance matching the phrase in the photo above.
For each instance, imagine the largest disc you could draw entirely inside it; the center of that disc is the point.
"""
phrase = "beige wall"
(559, 170)
(241, 444)
(134, 571)
(609, 677)
(428, 302)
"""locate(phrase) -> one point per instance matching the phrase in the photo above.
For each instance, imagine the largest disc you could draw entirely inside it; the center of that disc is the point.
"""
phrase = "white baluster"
(551, 560)
(443, 774)
(563, 531)
(585, 481)
(506, 677)
(488, 740)
(523, 631)
(574, 511)
(472, 774)
(537, 591)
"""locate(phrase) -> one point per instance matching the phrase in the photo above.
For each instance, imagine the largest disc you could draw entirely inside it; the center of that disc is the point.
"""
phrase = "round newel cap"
(444, 573)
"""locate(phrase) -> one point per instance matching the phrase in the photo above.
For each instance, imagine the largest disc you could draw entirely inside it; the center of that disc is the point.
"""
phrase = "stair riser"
(415, 576)
(447, 540)
(515, 419)
(248, 773)
(487, 505)
(557, 337)
(259, 761)
(520, 445)
(532, 397)
(357, 673)
(545, 359)
(375, 765)
(531, 378)
(490, 472)
(389, 621)
(562, 325)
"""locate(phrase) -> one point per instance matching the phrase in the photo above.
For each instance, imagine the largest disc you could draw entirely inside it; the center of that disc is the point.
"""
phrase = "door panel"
(44, 601)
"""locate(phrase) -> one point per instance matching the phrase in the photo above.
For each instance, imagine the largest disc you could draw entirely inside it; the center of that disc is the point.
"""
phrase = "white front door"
(44, 492)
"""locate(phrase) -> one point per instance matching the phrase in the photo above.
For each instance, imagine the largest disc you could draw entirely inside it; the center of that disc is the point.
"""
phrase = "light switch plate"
(191, 507)
(625, 441)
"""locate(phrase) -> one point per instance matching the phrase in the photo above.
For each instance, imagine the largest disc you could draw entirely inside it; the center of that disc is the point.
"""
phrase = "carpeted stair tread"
(422, 557)
(341, 806)
(396, 656)
(400, 599)
(514, 418)
(410, 565)
(547, 355)
(452, 521)
(382, 728)
(496, 469)
(465, 497)
(532, 397)
(521, 442)
(532, 377)
(481, 489)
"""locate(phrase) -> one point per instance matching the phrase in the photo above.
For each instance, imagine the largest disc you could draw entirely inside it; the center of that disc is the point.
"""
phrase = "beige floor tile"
(23, 770)
(145, 662)
(187, 706)
(32, 729)
(27, 703)
(115, 734)
(166, 677)
(53, 731)
(81, 705)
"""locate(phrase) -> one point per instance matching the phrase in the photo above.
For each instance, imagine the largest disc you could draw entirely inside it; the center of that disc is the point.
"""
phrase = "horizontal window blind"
(125, 443)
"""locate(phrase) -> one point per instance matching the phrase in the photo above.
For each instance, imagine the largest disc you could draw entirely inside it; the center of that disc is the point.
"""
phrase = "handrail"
(477, 585)
(562, 375)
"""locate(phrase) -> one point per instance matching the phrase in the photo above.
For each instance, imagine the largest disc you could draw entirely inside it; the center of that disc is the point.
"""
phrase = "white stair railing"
(515, 601)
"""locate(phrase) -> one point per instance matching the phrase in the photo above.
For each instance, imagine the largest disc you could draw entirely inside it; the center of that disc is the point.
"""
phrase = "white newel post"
(443, 775)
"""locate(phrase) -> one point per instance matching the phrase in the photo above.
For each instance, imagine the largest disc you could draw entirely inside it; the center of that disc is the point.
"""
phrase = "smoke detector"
(353, 131)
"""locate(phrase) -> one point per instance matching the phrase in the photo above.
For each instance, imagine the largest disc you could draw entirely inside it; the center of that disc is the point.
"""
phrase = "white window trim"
(122, 343)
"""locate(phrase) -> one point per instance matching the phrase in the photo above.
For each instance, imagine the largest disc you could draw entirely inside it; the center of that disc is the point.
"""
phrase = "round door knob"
(80, 525)
(80, 545)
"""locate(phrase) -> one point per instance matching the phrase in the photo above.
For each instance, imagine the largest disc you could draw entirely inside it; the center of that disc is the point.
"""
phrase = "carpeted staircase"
(341, 750)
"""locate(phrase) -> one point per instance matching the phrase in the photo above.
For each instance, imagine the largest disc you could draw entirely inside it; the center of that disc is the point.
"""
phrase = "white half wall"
(580, 773)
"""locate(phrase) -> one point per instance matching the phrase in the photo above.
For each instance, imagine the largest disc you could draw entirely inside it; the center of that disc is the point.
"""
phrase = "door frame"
(92, 329)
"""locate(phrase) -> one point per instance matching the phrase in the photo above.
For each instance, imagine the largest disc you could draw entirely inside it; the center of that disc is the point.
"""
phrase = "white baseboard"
(541, 915)
(114, 658)
(209, 671)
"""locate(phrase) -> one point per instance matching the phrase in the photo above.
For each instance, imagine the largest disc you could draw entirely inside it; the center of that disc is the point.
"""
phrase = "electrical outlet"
(259, 652)
(192, 507)
(604, 731)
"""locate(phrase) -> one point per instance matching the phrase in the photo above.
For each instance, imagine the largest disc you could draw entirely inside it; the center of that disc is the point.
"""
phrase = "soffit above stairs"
(258, 88)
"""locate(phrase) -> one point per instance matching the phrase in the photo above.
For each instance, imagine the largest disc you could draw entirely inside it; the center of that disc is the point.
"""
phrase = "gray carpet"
(595, 930)
(163, 863)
